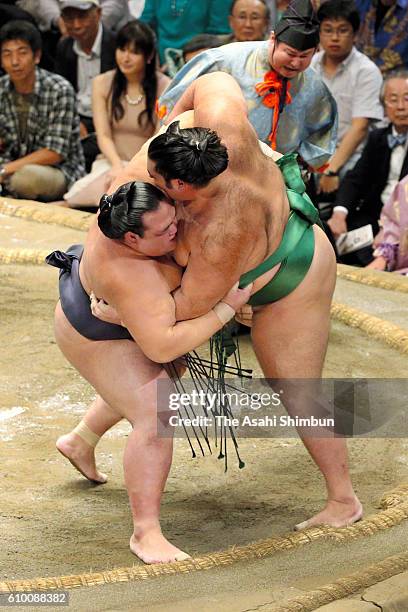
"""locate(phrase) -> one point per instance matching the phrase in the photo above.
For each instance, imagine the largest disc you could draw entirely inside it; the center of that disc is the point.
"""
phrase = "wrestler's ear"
(131, 239)
(179, 185)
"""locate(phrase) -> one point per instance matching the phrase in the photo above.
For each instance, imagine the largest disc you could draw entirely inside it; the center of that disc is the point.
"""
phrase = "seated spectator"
(47, 13)
(10, 12)
(87, 51)
(249, 20)
(353, 80)
(123, 102)
(392, 252)
(177, 21)
(383, 33)
(40, 152)
(383, 162)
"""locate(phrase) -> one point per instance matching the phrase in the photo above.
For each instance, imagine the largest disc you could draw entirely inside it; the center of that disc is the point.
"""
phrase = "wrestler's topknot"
(122, 211)
(194, 155)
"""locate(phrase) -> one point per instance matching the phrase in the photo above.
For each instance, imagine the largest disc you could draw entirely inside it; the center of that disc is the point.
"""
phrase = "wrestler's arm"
(213, 266)
(147, 310)
(216, 99)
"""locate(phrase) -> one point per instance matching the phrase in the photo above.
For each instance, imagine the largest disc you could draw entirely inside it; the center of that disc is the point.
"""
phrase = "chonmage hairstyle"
(123, 211)
(21, 30)
(193, 155)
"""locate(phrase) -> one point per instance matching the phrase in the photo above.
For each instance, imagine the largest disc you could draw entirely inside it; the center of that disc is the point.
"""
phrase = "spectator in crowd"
(392, 251)
(88, 50)
(47, 13)
(383, 33)
(10, 12)
(177, 21)
(383, 162)
(248, 20)
(354, 81)
(123, 102)
(40, 152)
(288, 104)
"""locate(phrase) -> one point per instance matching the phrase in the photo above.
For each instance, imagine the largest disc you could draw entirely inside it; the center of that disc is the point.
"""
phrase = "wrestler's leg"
(147, 461)
(127, 381)
(78, 446)
(290, 340)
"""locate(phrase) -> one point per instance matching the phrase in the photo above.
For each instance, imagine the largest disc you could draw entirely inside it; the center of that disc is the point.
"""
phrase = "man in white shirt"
(353, 80)
(383, 162)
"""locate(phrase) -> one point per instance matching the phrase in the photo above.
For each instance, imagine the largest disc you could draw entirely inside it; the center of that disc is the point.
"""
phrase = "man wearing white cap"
(86, 52)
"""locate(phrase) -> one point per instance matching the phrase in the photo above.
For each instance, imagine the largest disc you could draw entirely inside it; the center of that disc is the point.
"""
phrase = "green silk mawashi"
(296, 249)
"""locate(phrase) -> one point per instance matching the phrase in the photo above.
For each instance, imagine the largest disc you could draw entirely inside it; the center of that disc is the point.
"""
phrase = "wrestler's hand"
(101, 310)
(237, 297)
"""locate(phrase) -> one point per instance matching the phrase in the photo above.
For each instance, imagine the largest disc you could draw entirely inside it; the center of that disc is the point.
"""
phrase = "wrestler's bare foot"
(335, 514)
(81, 455)
(151, 546)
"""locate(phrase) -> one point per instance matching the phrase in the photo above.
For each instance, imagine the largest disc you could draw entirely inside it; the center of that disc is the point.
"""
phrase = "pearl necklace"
(135, 101)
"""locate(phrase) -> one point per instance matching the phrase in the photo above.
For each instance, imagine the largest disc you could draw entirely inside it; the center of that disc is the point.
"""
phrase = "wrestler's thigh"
(117, 369)
(290, 336)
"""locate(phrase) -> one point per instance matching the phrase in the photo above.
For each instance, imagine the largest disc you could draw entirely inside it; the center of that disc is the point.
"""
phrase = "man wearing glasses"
(354, 81)
(383, 162)
(248, 20)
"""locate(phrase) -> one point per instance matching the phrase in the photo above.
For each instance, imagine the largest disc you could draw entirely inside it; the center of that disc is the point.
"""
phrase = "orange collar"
(272, 88)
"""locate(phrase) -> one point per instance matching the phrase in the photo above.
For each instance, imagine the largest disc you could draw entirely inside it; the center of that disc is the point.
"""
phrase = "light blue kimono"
(307, 126)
